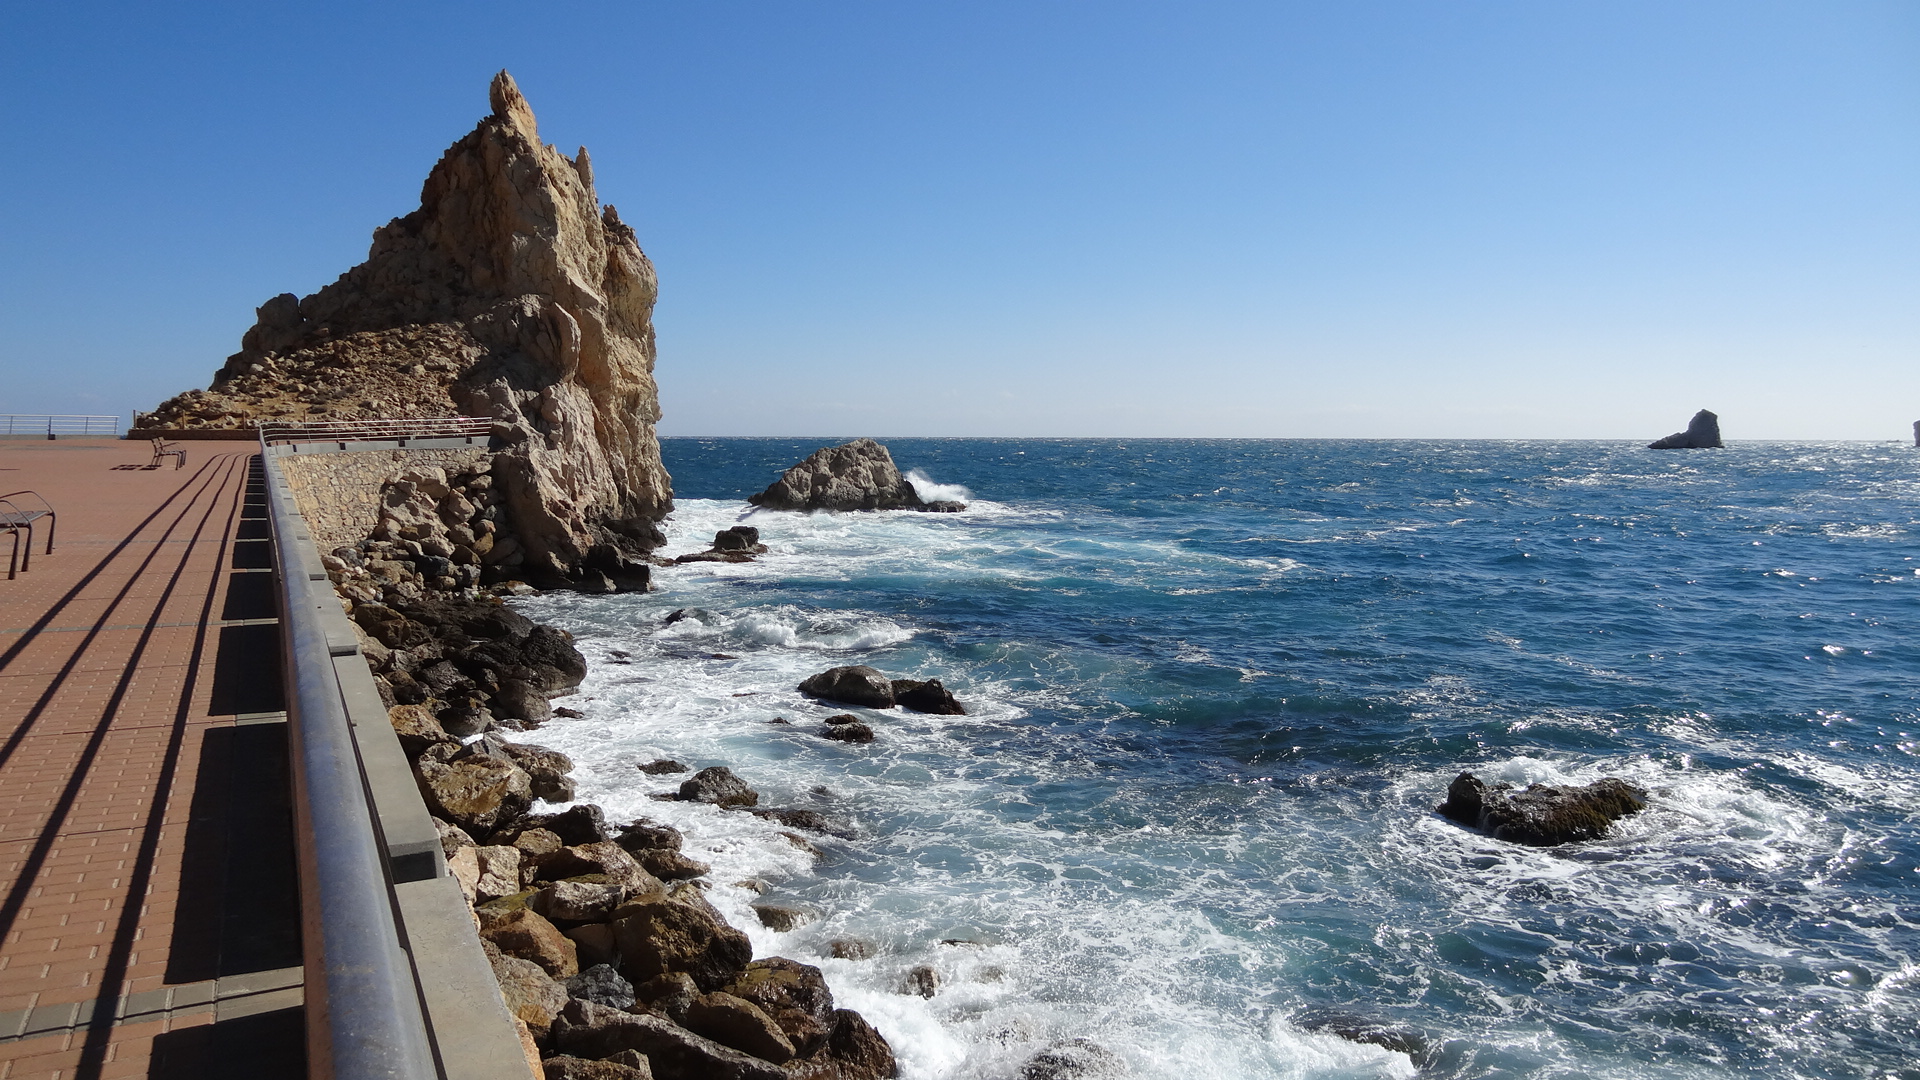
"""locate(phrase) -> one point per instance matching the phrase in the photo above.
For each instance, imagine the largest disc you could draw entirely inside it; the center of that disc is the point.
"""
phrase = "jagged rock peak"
(859, 475)
(510, 106)
(510, 293)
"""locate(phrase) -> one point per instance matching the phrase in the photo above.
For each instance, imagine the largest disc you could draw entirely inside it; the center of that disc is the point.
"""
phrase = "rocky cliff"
(510, 293)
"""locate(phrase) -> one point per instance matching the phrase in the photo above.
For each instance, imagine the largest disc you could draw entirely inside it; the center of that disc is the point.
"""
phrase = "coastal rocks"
(718, 786)
(854, 685)
(595, 1031)
(524, 933)
(738, 1023)
(531, 994)
(476, 793)
(1703, 433)
(511, 294)
(563, 1067)
(602, 985)
(1543, 814)
(851, 732)
(859, 475)
(1075, 1059)
(656, 934)
(927, 697)
(737, 544)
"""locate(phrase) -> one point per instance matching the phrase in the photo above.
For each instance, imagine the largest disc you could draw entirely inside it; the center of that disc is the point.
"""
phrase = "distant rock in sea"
(1703, 433)
(859, 475)
(1543, 814)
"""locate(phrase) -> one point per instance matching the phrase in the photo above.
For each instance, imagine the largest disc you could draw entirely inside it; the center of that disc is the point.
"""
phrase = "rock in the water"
(1390, 1036)
(1703, 433)
(850, 733)
(854, 684)
(546, 769)
(1075, 1059)
(795, 995)
(1543, 814)
(602, 985)
(595, 1031)
(927, 697)
(662, 766)
(718, 786)
(511, 293)
(859, 475)
(781, 917)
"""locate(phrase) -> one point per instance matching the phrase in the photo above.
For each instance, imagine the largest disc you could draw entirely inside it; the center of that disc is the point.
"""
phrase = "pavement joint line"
(228, 997)
(143, 626)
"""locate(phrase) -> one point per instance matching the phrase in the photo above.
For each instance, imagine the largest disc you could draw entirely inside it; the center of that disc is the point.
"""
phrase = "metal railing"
(363, 1017)
(434, 427)
(55, 424)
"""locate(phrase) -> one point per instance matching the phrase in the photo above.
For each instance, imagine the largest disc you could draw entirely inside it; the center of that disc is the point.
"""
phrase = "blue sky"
(1353, 219)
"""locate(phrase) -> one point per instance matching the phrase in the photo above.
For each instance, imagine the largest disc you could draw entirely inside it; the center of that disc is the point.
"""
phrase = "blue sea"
(1215, 690)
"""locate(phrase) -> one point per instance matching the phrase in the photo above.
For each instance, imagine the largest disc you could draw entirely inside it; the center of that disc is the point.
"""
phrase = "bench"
(14, 517)
(164, 449)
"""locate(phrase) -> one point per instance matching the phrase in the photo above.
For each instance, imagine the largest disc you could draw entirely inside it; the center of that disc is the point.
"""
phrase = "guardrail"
(53, 425)
(397, 985)
(402, 430)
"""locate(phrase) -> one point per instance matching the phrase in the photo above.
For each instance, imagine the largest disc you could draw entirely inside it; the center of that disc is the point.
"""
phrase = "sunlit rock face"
(511, 293)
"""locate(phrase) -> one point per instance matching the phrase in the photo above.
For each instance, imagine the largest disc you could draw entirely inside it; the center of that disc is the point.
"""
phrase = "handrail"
(51, 424)
(363, 1011)
(433, 427)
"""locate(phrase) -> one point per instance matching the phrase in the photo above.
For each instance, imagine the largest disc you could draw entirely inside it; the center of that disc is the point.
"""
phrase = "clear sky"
(1040, 217)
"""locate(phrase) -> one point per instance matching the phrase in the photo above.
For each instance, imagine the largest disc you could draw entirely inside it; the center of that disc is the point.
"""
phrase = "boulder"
(498, 872)
(853, 1051)
(921, 981)
(1703, 433)
(736, 1022)
(545, 659)
(1074, 1059)
(718, 786)
(531, 994)
(602, 985)
(855, 684)
(859, 475)
(606, 862)
(781, 918)
(671, 865)
(593, 943)
(795, 995)
(1543, 814)
(595, 1031)
(416, 728)
(850, 733)
(546, 769)
(524, 933)
(567, 903)
(565, 1067)
(927, 697)
(662, 766)
(670, 994)
(656, 935)
(811, 820)
(582, 824)
(477, 793)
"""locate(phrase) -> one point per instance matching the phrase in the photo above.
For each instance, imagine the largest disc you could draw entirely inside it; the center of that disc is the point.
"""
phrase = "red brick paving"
(103, 709)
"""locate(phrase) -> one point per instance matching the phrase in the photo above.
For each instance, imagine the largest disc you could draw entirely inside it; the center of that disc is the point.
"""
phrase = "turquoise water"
(1216, 688)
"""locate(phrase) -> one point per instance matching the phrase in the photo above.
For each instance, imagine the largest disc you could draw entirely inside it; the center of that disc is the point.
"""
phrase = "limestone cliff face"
(511, 293)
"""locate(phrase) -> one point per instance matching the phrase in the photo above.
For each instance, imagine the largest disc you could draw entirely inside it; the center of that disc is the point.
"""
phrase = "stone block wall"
(340, 492)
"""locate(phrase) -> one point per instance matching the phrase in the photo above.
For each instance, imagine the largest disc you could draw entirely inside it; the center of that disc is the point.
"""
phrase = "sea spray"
(1216, 689)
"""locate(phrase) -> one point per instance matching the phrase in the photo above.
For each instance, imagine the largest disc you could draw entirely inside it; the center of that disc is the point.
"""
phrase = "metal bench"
(164, 449)
(14, 517)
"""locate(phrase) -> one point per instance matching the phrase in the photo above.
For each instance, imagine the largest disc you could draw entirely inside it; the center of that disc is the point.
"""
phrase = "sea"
(1214, 692)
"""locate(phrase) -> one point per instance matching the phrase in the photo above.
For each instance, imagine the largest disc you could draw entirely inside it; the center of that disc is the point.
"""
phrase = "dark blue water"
(1217, 687)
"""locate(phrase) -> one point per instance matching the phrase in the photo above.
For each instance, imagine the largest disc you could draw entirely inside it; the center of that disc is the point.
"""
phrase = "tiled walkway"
(147, 896)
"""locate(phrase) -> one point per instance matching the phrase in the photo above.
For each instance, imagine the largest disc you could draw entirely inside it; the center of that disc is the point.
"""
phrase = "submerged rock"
(1703, 433)
(1543, 814)
(1075, 1059)
(859, 475)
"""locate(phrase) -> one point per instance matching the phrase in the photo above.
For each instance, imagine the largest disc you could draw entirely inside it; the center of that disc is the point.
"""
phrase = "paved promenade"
(148, 906)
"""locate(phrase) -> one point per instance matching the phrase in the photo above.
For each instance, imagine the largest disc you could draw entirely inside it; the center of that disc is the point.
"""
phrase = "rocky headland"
(511, 294)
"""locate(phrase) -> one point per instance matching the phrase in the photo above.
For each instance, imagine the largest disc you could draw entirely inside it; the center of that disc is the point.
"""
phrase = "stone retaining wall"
(339, 494)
